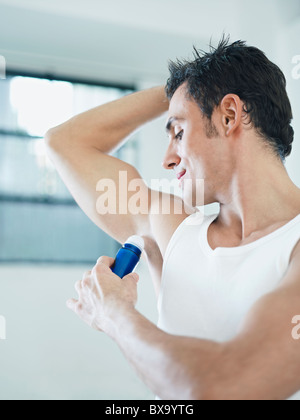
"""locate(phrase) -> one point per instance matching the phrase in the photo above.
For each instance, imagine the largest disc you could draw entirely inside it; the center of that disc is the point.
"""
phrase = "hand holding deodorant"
(128, 256)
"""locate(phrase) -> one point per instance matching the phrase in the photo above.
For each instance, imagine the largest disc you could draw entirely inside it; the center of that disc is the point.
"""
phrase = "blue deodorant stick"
(128, 256)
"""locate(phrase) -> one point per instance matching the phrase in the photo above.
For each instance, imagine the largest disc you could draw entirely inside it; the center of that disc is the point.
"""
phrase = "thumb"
(132, 276)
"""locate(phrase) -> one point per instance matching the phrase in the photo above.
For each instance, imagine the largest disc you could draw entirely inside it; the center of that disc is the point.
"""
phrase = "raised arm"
(108, 126)
(80, 151)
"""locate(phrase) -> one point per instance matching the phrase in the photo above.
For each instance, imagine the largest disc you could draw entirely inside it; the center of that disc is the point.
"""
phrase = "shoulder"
(167, 213)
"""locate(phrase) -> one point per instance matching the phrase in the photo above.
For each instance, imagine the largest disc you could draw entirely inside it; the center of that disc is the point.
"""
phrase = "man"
(230, 285)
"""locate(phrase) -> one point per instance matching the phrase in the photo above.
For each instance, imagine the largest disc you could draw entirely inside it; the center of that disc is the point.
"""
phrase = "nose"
(171, 158)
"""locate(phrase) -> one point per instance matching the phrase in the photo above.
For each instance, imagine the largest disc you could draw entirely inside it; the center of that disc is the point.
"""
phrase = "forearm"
(172, 367)
(106, 127)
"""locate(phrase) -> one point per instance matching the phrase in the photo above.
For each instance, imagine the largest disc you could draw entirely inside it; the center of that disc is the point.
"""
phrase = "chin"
(194, 192)
(193, 195)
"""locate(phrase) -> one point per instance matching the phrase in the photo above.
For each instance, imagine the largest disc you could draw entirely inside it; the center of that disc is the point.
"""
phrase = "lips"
(181, 174)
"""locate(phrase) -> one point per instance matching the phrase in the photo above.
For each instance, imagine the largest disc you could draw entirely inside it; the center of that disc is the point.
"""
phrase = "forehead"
(178, 101)
(182, 105)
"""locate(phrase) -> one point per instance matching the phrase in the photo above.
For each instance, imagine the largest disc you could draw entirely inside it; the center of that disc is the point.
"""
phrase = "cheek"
(201, 160)
(195, 167)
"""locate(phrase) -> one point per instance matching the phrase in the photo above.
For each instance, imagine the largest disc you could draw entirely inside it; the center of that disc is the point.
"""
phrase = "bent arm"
(261, 362)
(106, 127)
(80, 151)
(174, 368)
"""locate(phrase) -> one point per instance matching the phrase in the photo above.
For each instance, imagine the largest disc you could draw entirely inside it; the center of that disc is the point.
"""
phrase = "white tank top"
(207, 293)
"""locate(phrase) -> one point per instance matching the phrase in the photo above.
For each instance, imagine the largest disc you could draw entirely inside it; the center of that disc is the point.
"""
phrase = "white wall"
(48, 352)
(130, 41)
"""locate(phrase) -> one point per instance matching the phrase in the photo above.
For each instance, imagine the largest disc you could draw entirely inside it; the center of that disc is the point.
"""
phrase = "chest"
(208, 296)
(154, 260)
(218, 236)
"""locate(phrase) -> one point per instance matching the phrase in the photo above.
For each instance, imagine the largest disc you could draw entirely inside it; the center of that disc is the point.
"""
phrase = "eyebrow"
(171, 121)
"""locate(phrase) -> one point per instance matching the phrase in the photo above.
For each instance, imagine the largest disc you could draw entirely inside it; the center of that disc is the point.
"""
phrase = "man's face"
(195, 149)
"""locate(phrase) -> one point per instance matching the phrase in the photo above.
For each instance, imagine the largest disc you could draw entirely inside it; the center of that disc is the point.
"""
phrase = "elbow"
(55, 141)
(204, 393)
(222, 390)
(213, 386)
(51, 138)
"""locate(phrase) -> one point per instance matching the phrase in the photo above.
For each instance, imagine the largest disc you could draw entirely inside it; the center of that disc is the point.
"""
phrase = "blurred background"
(63, 57)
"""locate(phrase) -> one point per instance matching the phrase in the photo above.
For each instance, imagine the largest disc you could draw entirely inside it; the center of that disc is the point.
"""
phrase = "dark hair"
(245, 71)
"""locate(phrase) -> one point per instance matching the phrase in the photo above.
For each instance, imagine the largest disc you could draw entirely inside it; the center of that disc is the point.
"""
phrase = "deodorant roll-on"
(128, 256)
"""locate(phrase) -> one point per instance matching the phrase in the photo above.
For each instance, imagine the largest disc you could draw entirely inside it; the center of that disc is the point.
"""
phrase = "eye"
(179, 135)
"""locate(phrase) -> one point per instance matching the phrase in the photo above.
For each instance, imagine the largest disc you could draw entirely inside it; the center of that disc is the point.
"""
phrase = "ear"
(231, 109)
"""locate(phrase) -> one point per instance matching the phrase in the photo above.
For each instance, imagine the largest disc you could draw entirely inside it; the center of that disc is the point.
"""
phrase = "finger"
(72, 304)
(86, 282)
(108, 261)
(78, 286)
(86, 274)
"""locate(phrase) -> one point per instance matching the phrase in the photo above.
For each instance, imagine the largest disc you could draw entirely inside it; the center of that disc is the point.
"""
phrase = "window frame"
(35, 199)
(19, 135)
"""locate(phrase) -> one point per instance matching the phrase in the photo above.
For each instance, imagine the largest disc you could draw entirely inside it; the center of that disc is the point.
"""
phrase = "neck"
(259, 194)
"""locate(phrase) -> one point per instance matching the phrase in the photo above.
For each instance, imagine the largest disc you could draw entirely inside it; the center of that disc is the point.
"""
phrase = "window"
(39, 220)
